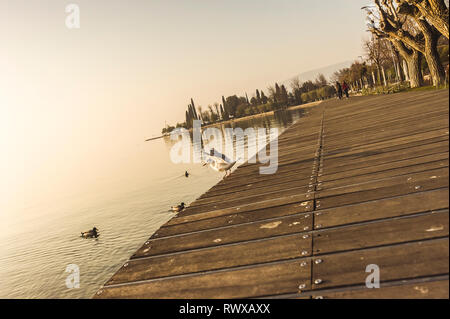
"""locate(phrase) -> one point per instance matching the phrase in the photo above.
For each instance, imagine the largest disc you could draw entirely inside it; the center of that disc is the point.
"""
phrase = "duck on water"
(177, 208)
(92, 233)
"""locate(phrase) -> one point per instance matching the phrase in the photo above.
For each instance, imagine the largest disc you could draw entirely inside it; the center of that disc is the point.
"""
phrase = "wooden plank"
(383, 208)
(416, 290)
(249, 192)
(238, 177)
(371, 120)
(241, 254)
(371, 177)
(227, 235)
(373, 191)
(405, 261)
(367, 159)
(431, 177)
(185, 218)
(223, 203)
(392, 231)
(336, 153)
(362, 136)
(368, 141)
(234, 219)
(257, 281)
(293, 175)
(392, 168)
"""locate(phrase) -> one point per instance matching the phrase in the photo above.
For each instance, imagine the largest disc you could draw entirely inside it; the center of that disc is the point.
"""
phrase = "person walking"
(345, 88)
(339, 90)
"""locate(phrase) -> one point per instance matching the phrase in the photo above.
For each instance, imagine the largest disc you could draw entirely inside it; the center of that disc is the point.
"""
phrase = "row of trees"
(405, 42)
(409, 30)
(279, 97)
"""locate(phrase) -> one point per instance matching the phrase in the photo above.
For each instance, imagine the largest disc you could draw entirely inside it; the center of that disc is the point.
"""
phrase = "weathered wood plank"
(222, 203)
(378, 176)
(384, 138)
(383, 208)
(396, 186)
(376, 158)
(227, 235)
(391, 169)
(433, 177)
(417, 290)
(336, 153)
(184, 218)
(257, 281)
(392, 231)
(241, 254)
(234, 219)
(239, 185)
(249, 191)
(405, 261)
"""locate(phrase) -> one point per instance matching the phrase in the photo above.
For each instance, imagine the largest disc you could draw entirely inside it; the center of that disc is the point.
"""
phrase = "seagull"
(218, 162)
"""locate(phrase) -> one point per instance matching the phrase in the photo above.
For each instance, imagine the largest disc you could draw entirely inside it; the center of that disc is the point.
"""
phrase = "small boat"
(93, 233)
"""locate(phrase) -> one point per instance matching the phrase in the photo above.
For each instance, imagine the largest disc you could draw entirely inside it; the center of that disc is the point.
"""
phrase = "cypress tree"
(224, 103)
(263, 98)
(284, 96)
(191, 114)
(277, 90)
(194, 111)
(222, 112)
(187, 120)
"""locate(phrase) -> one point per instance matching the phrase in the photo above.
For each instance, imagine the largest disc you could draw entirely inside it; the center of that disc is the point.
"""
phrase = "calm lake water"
(37, 248)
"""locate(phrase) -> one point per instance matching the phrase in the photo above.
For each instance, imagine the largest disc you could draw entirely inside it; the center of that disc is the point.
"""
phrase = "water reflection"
(237, 145)
(127, 212)
(280, 119)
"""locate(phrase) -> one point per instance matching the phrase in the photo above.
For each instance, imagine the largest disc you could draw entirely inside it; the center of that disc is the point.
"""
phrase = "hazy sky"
(73, 100)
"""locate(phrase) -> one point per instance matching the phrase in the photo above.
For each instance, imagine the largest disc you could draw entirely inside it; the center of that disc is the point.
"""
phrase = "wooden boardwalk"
(360, 181)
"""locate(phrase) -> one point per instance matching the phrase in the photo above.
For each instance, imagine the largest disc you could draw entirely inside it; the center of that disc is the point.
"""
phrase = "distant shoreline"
(246, 118)
(250, 117)
(154, 138)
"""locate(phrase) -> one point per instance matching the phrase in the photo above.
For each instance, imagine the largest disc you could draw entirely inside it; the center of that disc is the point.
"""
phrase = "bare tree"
(391, 23)
(296, 86)
(413, 60)
(377, 52)
(431, 37)
(321, 81)
(295, 83)
(434, 11)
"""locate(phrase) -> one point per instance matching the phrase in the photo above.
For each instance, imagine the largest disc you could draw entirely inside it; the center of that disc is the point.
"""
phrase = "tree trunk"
(436, 70)
(435, 11)
(434, 63)
(405, 70)
(437, 14)
(414, 71)
(378, 75)
(431, 36)
(413, 60)
(384, 76)
(428, 45)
